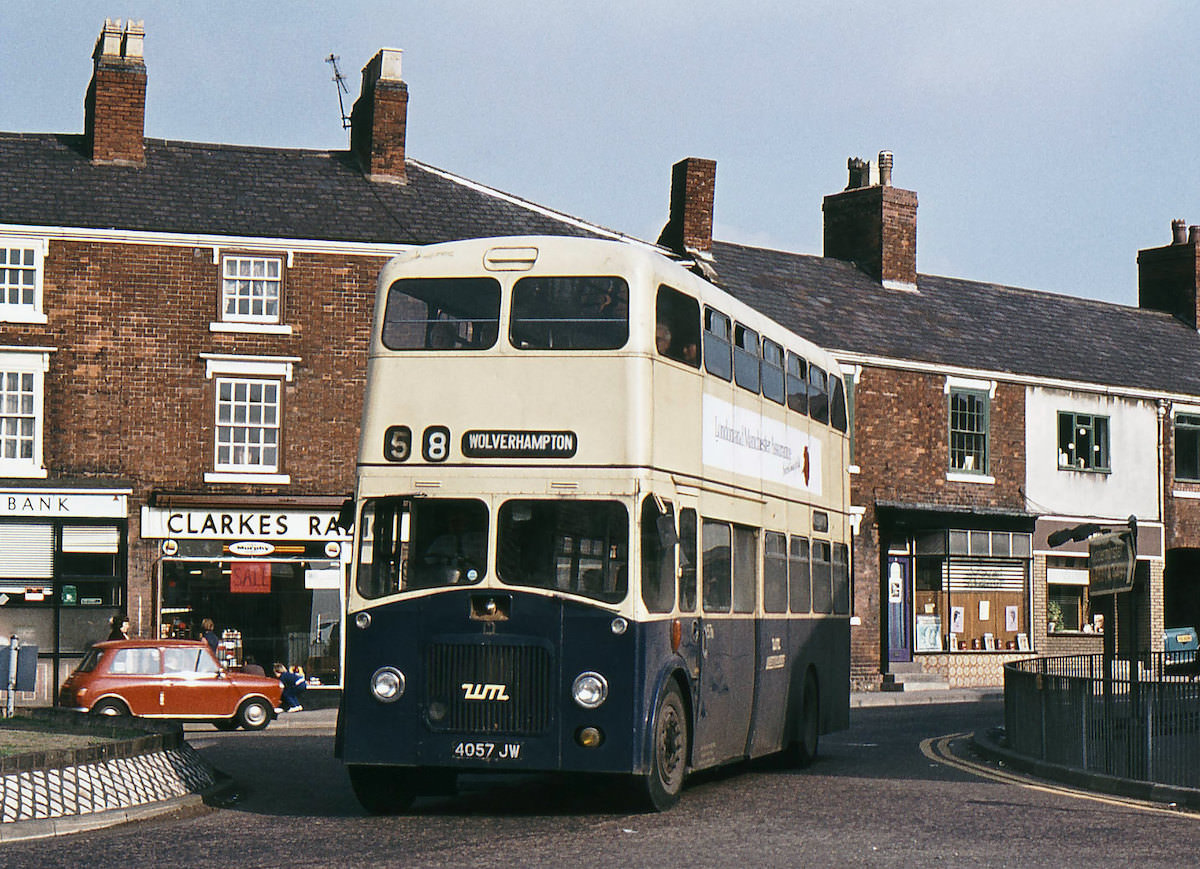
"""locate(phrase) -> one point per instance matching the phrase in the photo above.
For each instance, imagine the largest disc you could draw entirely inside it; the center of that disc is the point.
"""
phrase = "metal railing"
(1139, 720)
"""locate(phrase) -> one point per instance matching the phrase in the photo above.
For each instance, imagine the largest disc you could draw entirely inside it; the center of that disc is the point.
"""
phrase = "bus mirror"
(666, 531)
(345, 516)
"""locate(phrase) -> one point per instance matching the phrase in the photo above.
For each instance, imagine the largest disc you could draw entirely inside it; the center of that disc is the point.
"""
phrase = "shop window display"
(265, 612)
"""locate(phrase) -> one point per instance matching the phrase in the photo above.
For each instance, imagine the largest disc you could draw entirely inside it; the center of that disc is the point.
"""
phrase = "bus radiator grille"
(489, 688)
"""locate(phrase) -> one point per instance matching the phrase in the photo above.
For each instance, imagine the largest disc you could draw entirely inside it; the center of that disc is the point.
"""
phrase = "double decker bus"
(601, 525)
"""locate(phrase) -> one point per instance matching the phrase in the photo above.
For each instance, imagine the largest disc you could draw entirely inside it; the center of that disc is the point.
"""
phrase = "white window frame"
(34, 362)
(274, 370)
(21, 312)
(250, 322)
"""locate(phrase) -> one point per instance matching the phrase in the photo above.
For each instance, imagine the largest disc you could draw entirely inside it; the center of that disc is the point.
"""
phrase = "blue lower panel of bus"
(488, 680)
(490, 686)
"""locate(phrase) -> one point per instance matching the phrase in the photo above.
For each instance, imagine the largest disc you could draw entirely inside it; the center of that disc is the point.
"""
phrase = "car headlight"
(387, 684)
(589, 690)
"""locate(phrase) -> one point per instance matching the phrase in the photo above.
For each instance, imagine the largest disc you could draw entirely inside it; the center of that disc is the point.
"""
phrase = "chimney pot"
(1193, 234)
(885, 168)
(1179, 231)
(860, 173)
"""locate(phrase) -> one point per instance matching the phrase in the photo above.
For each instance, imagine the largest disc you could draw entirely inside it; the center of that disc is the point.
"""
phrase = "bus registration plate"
(494, 751)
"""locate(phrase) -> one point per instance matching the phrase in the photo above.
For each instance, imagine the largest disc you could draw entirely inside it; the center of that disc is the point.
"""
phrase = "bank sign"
(52, 504)
(746, 442)
(162, 524)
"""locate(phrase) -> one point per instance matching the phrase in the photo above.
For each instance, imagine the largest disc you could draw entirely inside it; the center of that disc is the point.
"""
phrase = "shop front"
(63, 572)
(270, 577)
(957, 586)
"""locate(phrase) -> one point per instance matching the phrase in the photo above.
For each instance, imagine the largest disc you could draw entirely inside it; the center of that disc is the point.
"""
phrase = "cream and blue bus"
(601, 525)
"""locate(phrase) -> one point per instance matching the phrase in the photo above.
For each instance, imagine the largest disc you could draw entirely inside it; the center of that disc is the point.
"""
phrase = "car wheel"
(111, 708)
(384, 790)
(668, 751)
(254, 714)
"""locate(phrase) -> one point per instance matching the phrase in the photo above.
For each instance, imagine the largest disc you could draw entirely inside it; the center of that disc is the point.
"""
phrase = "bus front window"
(442, 314)
(580, 547)
(426, 543)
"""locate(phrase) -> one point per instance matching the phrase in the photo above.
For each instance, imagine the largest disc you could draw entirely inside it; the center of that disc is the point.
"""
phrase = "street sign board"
(1110, 563)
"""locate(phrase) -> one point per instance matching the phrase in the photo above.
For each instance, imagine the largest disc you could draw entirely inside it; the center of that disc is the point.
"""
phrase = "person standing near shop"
(120, 627)
(208, 633)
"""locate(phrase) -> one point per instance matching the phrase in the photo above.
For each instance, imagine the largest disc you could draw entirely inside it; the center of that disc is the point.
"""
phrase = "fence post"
(14, 645)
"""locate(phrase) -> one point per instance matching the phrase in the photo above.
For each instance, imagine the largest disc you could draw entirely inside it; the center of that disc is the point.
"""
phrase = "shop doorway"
(268, 611)
(899, 608)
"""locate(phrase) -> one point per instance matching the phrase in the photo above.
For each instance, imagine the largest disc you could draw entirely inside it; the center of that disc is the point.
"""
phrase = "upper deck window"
(837, 404)
(797, 383)
(745, 357)
(772, 371)
(677, 326)
(718, 351)
(442, 314)
(818, 394)
(570, 313)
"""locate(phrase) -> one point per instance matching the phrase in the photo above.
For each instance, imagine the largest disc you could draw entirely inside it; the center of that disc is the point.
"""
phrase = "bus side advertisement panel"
(744, 441)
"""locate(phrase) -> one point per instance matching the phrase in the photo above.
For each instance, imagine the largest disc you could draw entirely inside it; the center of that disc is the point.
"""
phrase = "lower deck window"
(576, 546)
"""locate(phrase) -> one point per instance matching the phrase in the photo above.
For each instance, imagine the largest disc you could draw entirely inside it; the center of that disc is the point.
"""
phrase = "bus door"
(774, 655)
(725, 691)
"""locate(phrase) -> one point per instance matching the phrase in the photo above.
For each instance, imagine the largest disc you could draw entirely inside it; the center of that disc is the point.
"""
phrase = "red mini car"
(177, 679)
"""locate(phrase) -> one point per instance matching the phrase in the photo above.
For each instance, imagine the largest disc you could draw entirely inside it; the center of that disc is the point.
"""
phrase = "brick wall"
(902, 449)
(126, 393)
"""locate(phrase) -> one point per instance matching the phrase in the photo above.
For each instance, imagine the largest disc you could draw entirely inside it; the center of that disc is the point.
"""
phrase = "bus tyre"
(382, 790)
(668, 751)
(804, 749)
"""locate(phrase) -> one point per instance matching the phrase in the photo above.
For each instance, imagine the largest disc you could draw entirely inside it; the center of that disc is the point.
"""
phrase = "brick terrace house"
(183, 330)
(984, 418)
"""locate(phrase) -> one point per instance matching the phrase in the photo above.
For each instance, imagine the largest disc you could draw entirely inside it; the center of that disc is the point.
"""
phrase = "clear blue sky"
(1047, 142)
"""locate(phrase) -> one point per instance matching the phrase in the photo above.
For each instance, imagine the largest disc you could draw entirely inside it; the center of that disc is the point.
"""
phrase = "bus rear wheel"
(383, 790)
(668, 751)
(803, 750)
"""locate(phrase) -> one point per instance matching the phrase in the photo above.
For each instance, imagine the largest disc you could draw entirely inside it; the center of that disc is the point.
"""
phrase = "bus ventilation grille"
(485, 688)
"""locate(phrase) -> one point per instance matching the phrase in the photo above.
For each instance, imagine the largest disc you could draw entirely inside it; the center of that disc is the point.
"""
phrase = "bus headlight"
(387, 684)
(589, 690)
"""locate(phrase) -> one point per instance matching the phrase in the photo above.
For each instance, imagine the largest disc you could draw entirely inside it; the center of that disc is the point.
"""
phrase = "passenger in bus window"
(662, 338)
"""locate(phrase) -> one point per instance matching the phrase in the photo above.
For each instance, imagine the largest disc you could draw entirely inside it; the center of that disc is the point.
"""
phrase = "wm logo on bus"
(478, 691)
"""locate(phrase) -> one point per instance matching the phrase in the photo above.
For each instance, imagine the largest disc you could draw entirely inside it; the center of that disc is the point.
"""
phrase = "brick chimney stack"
(693, 188)
(874, 225)
(1169, 276)
(114, 110)
(379, 118)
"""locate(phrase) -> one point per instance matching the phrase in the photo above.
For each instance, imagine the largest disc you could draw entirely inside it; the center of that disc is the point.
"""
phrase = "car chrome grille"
(488, 688)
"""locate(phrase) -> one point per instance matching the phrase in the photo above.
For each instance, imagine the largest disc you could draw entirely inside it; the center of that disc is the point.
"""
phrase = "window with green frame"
(1187, 447)
(1082, 441)
(969, 431)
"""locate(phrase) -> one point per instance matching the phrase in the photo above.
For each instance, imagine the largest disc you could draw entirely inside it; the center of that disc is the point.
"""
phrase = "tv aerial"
(332, 60)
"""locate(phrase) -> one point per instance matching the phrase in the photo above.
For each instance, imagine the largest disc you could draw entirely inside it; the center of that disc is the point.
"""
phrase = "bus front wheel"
(383, 790)
(669, 751)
